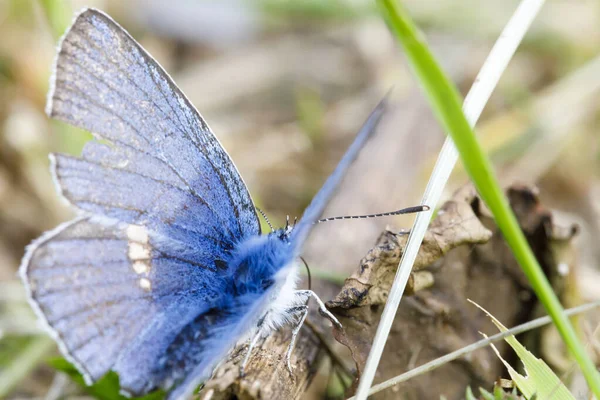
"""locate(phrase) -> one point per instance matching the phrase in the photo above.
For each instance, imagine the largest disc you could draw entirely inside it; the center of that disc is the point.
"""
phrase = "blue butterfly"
(165, 268)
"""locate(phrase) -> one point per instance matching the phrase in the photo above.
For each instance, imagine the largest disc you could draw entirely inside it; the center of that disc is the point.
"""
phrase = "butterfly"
(165, 268)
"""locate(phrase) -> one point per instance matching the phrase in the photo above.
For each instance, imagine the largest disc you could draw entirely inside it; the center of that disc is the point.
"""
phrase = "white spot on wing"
(141, 267)
(137, 233)
(139, 250)
(145, 284)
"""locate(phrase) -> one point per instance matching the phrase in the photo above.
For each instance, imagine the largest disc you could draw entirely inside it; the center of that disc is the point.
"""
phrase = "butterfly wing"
(319, 202)
(162, 165)
(119, 289)
(112, 299)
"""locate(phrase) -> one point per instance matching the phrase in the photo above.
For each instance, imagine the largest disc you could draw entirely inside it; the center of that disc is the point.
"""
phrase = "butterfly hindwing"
(111, 298)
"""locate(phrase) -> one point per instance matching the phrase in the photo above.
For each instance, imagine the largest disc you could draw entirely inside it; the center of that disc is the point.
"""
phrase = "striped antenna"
(408, 210)
(266, 218)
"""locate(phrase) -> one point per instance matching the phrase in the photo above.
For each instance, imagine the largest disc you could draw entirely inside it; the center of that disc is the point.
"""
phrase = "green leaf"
(485, 395)
(541, 381)
(469, 394)
(106, 388)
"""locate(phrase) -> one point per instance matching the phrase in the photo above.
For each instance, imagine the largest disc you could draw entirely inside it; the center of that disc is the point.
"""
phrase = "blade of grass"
(438, 362)
(482, 88)
(445, 101)
(22, 365)
(59, 16)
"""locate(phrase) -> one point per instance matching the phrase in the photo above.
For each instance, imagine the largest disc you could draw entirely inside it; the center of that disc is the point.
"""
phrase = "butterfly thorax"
(256, 262)
(263, 279)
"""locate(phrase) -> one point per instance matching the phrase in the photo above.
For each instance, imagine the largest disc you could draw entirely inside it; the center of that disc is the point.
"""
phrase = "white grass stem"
(480, 92)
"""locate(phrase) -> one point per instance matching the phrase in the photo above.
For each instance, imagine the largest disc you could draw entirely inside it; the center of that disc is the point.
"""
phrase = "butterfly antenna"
(408, 210)
(266, 218)
(307, 272)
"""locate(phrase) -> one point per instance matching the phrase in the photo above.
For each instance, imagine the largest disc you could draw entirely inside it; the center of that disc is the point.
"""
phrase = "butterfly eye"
(266, 283)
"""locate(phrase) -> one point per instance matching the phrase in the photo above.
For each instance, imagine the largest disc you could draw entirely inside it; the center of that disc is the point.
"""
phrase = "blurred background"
(285, 85)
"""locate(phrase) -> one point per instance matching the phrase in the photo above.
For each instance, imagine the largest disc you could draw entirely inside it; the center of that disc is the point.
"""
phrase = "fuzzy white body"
(273, 306)
(281, 297)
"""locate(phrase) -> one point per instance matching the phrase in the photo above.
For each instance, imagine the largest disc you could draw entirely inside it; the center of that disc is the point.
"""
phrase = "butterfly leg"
(248, 352)
(304, 295)
(301, 311)
(252, 344)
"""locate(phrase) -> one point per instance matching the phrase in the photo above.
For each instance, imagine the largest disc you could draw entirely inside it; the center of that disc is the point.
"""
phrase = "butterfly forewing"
(106, 83)
(321, 199)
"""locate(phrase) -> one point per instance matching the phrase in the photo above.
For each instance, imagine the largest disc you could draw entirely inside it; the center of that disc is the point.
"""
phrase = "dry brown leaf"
(463, 257)
(455, 225)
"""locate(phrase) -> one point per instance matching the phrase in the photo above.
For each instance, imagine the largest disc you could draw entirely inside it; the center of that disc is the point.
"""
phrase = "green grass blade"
(59, 15)
(24, 363)
(446, 104)
(487, 78)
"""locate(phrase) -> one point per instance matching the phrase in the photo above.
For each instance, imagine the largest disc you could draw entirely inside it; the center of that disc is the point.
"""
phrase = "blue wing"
(319, 202)
(118, 290)
(114, 299)
(162, 166)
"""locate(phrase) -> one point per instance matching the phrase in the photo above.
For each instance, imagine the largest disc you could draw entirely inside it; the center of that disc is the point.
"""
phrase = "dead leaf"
(455, 225)
(465, 256)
